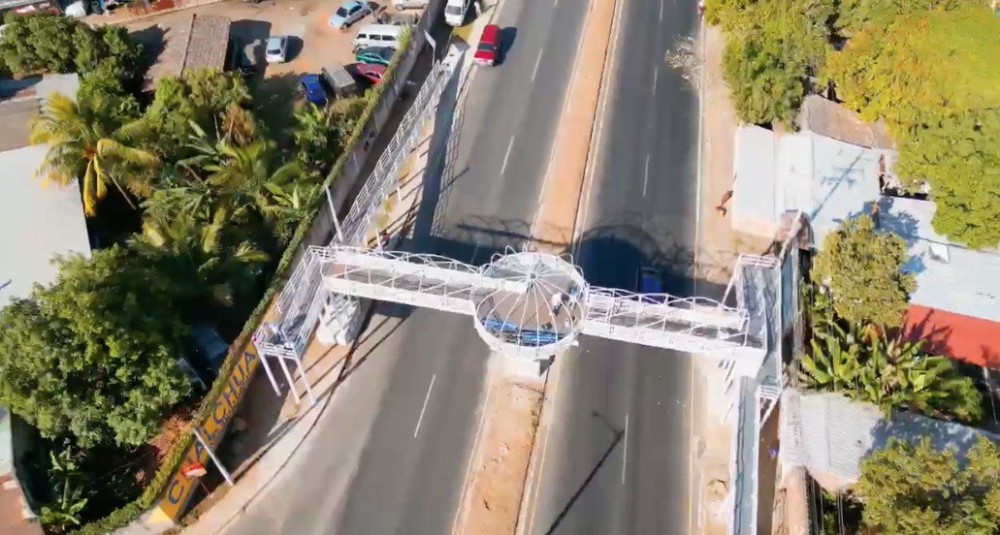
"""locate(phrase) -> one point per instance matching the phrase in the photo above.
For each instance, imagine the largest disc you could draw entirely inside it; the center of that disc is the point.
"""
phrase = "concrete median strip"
(564, 178)
(491, 501)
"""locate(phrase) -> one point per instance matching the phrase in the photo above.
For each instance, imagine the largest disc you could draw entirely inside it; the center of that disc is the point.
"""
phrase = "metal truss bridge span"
(534, 305)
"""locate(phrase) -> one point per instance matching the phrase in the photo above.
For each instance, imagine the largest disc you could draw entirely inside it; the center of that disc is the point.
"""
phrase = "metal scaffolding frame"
(287, 328)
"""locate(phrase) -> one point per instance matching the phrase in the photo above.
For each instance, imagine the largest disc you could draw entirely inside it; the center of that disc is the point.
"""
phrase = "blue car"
(313, 88)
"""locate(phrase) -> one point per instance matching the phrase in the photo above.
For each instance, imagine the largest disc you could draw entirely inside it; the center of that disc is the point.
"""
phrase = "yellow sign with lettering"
(178, 493)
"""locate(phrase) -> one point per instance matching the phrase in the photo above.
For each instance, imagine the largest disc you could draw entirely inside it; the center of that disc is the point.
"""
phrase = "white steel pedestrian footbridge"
(534, 305)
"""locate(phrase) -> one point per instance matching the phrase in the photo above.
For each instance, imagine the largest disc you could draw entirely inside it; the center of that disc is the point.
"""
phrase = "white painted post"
(305, 380)
(432, 42)
(211, 454)
(333, 214)
(291, 382)
(270, 374)
(378, 237)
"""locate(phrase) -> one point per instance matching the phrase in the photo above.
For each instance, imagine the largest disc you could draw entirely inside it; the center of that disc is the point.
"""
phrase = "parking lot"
(312, 43)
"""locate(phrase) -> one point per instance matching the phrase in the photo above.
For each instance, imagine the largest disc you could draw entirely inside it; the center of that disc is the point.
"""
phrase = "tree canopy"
(773, 47)
(932, 76)
(94, 355)
(862, 269)
(915, 489)
(201, 97)
(89, 140)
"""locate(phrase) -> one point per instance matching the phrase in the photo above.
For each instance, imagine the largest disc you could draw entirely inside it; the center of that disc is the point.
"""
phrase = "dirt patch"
(720, 244)
(493, 502)
(553, 228)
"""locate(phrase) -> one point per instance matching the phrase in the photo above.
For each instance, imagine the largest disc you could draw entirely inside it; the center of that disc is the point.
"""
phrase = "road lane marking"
(584, 209)
(645, 180)
(507, 156)
(538, 62)
(424, 409)
(656, 76)
(625, 450)
(661, 10)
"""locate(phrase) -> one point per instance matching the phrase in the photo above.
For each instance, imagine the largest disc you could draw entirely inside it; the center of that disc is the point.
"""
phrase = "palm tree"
(88, 141)
(213, 255)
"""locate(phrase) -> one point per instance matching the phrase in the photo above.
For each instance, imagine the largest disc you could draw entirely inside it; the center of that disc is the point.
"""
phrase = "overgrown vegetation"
(857, 296)
(916, 489)
(863, 271)
(926, 68)
(867, 365)
(91, 361)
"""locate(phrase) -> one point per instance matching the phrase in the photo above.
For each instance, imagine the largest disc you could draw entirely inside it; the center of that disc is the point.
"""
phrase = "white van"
(378, 35)
(454, 12)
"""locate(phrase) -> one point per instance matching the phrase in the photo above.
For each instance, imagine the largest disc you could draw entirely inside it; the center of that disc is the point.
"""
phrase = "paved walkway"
(719, 246)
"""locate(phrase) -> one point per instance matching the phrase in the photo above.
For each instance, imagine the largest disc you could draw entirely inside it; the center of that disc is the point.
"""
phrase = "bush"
(38, 43)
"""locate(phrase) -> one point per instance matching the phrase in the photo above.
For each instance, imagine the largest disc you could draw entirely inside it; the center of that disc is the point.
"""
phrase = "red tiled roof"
(964, 338)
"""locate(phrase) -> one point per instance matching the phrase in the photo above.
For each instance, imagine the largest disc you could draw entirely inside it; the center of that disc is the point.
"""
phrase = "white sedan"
(277, 49)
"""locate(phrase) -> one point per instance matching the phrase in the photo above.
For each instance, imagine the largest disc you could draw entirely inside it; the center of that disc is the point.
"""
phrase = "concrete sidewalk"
(719, 246)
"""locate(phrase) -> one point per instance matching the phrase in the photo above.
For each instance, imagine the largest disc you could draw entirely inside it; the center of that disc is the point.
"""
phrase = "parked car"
(410, 4)
(348, 13)
(375, 55)
(277, 49)
(372, 73)
(341, 82)
(398, 19)
(652, 282)
(313, 88)
(488, 51)
(378, 35)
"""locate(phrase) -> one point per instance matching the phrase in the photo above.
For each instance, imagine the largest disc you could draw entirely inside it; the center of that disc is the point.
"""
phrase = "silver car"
(409, 4)
(277, 49)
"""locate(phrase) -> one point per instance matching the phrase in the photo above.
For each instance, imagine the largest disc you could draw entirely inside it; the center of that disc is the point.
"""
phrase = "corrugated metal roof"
(972, 340)
(833, 120)
(194, 42)
(828, 180)
(22, 102)
(830, 434)
(950, 277)
(37, 220)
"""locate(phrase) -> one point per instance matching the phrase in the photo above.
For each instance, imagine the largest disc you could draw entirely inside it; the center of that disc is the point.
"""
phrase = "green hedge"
(131, 512)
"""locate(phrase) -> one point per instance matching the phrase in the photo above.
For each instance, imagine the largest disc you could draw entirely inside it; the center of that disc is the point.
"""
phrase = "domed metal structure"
(534, 306)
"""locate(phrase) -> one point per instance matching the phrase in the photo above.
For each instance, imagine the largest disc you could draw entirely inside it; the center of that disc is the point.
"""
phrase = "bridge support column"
(341, 320)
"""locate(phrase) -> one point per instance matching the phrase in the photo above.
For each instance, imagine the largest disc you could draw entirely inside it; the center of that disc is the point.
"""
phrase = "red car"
(372, 73)
(488, 51)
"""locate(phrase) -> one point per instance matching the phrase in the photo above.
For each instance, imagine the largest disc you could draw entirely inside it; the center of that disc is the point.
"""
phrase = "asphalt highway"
(618, 452)
(390, 453)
